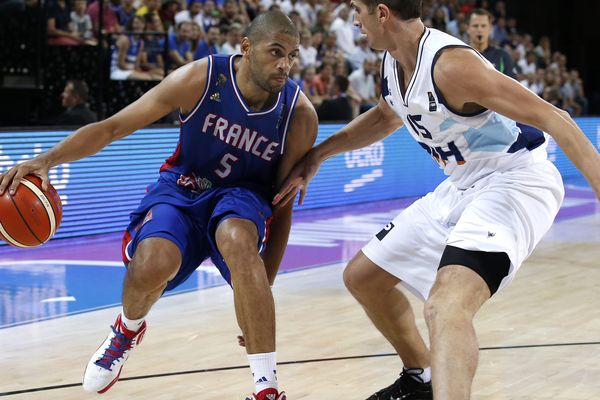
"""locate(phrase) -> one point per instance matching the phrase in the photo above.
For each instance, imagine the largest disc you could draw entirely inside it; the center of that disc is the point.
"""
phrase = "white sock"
(264, 370)
(419, 376)
(131, 324)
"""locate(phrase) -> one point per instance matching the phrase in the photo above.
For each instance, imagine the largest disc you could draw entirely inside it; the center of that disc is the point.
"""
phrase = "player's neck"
(255, 97)
(481, 47)
(406, 37)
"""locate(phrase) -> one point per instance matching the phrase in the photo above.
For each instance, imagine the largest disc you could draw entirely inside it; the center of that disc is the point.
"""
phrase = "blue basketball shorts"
(190, 220)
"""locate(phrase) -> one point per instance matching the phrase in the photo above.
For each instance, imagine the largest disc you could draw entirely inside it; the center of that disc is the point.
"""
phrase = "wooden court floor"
(540, 339)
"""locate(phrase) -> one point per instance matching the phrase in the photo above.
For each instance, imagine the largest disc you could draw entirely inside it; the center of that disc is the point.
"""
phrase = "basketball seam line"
(24, 220)
(48, 207)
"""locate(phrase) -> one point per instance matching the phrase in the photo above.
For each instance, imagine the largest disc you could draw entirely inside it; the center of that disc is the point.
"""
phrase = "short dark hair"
(342, 83)
(480, 12)
(403, 9)
(80, 88)
(269, 23)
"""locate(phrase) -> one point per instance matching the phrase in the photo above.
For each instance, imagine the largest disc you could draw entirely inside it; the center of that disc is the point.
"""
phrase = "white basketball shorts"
(508, 211)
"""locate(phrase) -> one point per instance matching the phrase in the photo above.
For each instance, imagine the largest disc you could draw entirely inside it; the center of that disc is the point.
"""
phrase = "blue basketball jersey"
(223, 143)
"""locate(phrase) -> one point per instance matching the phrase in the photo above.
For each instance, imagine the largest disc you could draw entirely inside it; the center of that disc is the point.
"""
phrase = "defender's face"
(368, 24)
(479, 29)
(272, 59)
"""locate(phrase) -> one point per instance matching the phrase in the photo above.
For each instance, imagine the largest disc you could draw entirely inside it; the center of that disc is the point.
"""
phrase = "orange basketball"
(31, 216)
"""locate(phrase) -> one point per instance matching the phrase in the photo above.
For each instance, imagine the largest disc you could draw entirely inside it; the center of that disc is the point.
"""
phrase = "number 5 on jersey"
(226, 163)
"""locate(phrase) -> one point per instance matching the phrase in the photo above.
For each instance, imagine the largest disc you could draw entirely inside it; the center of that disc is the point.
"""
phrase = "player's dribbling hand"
(298, 180)
(12, 178)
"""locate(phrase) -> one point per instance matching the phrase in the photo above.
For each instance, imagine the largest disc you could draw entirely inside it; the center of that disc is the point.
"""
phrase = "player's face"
(272, 59)
(368, 24)
(479, 29)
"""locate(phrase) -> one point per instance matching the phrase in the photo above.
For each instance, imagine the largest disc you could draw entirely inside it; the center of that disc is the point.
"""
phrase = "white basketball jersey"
(466, 146)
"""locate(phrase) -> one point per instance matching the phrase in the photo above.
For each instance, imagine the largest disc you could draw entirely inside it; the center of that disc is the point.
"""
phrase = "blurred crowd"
(336, 70)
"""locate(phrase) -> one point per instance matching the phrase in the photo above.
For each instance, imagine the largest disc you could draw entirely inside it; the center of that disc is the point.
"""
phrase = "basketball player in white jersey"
(457, 246)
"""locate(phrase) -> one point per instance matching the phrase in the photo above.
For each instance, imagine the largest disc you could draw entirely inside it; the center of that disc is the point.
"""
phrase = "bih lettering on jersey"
(454, 140)
(223, 143)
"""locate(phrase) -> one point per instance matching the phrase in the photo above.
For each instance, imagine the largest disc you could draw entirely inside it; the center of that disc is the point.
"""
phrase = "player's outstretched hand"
(298, 180)
(12, 178)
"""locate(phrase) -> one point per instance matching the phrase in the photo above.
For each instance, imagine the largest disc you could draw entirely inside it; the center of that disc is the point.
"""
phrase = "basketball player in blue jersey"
(458, 245)
(244, 125)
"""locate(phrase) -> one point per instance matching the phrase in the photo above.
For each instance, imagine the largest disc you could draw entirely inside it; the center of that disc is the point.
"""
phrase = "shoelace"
(118, 345)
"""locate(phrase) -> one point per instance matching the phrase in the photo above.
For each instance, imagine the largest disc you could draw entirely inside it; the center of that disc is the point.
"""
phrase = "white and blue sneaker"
(106, 364)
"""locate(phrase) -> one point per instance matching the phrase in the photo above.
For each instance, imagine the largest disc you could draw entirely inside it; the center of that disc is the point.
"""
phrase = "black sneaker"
(408, 387)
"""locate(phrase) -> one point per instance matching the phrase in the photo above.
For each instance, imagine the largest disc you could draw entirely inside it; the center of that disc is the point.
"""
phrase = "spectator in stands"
(307, 85)
(307, 53)
(300, 6)
(480, 28)
(167, 13)
(251, 7)
(528, 64)
(453, 26)
(323, 21)
(210, 15)
(343, 28)
(110, 20)
(439, 20)
(579, 91)
(232, 14)
(499, 33)
(74, 98)
(208, 45)
(361, 53)
(323, 80)
(61, 30)
(543, 52)
(179, 45)
(148, 7)
(125, 12)
(154, 47)
(317, 43)
(128, 53)
(362, 82)
(338, 107)
(193, 13)
(532, 84)
(500, 9)
(234, 37)
(197, 34)
(82, 23)
(296, 20)
(329, 47)
(567, 94)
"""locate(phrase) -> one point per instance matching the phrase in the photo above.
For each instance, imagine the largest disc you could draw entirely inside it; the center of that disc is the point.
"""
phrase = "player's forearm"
(84, 142)
(279, 231)
(364, 130)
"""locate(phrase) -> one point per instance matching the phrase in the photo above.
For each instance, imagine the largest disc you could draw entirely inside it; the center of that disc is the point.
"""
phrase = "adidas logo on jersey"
(216, 97)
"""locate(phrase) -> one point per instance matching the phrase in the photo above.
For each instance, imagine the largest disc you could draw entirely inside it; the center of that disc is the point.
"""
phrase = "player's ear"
(245, 45)
(383, 12)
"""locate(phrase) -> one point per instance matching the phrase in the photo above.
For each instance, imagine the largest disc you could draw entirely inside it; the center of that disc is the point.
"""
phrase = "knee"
(440, 310)
(431, 311)
(237, 238)
(358, 283)
(351, 280)
(155, 262)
